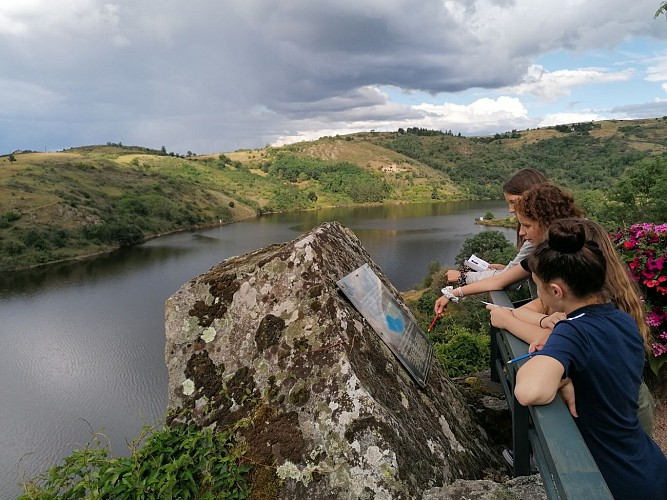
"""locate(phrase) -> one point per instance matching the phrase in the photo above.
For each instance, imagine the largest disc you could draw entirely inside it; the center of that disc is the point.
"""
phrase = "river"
(83, 342)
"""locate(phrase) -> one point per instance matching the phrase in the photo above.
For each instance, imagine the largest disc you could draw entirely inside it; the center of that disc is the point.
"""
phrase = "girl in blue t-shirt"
(598, 353)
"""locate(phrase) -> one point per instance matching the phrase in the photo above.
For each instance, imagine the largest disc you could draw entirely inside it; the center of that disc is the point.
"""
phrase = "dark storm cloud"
(209, 76)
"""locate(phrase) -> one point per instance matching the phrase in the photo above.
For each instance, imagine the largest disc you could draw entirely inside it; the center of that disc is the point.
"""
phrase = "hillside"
(91, 199)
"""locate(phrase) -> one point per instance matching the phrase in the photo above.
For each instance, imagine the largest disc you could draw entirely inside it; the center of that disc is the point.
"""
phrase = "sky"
(209, 76)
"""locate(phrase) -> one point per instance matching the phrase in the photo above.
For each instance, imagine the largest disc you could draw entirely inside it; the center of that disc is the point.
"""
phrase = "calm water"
(83, 343)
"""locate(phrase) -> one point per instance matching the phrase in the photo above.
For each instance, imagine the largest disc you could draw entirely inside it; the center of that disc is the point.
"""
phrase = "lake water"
(83, 342)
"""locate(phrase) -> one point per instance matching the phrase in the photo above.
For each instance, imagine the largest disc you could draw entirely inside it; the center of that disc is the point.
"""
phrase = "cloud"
(567, 118)
(654, 108)
(209, 76)
(658, 72)
(549, 85)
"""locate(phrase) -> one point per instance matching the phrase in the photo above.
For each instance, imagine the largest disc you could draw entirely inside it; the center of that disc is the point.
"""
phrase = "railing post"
(495, 354)
(520, 441)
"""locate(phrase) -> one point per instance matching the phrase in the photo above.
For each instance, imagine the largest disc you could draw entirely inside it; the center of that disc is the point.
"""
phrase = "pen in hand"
(525, 356)
(433, 322)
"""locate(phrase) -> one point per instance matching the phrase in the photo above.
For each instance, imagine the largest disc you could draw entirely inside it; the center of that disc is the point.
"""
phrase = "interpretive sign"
(390, 321)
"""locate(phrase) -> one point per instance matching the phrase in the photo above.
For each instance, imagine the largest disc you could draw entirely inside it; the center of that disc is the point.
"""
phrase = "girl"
(598, 351)
(532, 322)
(515, 186)
(540, 206)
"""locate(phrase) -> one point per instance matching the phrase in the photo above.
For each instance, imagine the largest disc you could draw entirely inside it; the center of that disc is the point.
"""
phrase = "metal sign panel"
(390, 321)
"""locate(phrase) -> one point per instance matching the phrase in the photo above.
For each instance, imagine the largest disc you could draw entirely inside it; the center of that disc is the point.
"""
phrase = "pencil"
(433, 322)
(525, 356)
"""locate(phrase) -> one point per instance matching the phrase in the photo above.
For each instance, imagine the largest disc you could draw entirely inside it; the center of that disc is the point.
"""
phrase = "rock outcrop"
(266, 343)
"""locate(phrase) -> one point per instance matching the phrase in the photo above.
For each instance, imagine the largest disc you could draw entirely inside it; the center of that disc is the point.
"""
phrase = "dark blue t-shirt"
(602, 352)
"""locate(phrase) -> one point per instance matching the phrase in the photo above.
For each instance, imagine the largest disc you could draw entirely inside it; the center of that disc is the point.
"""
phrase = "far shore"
(198, 227)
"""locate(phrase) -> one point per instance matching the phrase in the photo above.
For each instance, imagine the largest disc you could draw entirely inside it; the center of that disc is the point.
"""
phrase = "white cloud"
(549, 85)
(477, 117)
(658, 72)
(567, 118)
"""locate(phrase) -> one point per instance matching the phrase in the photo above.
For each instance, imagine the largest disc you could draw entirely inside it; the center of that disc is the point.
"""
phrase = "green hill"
(92, 199)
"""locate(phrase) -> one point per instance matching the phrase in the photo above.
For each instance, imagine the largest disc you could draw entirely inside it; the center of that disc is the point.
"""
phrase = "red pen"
(433, 322)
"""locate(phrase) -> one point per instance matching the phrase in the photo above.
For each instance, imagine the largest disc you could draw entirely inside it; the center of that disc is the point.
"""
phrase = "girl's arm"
(507, 320)
(538, 380)
(474, 276)
(497, 282)
(533, 313)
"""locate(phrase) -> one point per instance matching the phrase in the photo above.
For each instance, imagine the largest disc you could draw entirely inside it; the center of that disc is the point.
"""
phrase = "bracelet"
(448, 292)
(543, 318)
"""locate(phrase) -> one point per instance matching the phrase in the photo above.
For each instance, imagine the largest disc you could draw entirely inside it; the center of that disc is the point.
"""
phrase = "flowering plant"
(643, 247)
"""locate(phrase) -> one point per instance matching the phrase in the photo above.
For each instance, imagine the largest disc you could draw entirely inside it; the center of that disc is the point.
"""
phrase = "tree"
(492, 246)
(640, 194)
(661, 10)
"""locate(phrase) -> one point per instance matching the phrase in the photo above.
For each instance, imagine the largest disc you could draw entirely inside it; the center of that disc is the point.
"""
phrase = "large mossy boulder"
(267, 345)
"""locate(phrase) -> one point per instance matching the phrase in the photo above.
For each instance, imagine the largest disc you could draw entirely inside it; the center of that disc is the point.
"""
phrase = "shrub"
(174, 462)
(492, 246)
(644, 248)
(464, 353)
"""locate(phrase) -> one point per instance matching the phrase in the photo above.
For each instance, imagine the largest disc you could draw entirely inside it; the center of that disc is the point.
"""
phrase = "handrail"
(565, 464)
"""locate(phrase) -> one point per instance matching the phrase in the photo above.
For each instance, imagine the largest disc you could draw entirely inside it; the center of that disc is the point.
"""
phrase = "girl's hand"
(453, 276)
(441, 305)
(550, 321)
(536, 346)
(500, 317)
(567, 394)
(498, 267)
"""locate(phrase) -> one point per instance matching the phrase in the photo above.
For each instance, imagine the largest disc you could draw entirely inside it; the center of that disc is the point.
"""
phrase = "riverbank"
(509, 222)
(198, 227)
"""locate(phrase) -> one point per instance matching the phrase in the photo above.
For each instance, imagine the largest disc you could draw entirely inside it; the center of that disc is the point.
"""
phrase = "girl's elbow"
(531, 396)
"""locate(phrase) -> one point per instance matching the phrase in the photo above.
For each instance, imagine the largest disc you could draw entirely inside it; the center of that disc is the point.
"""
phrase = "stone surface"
(267, 345)
(520, 488)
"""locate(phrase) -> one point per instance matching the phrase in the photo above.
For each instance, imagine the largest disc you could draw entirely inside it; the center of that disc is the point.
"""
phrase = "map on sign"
(390, 321)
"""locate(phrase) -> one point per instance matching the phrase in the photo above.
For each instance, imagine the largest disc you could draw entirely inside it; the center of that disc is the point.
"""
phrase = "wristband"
(543, 317)
(448, 292)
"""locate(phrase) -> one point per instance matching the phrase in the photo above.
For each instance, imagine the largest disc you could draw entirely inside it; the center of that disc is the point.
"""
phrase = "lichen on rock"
(321, 407)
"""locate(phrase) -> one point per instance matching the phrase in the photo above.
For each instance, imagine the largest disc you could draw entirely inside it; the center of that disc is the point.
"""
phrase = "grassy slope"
(100, 184)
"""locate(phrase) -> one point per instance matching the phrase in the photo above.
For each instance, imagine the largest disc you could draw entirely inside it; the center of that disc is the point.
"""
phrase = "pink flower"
(649, 275)
(658, 349)
(653, 319)
(655, 264)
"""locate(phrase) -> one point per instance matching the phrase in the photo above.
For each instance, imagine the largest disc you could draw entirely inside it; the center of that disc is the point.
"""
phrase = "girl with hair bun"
(597, 352)
(534, 321)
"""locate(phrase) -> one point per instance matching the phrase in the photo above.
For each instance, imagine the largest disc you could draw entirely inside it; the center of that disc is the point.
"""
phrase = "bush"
(433, 269)
(113, 233)
(465, 353)
(643, 247)
(175, 462)
(492, 246)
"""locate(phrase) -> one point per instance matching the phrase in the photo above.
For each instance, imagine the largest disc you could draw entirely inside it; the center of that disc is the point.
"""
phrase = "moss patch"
(205, 374)
(274, 437)
(269, 331)
(222, 288)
